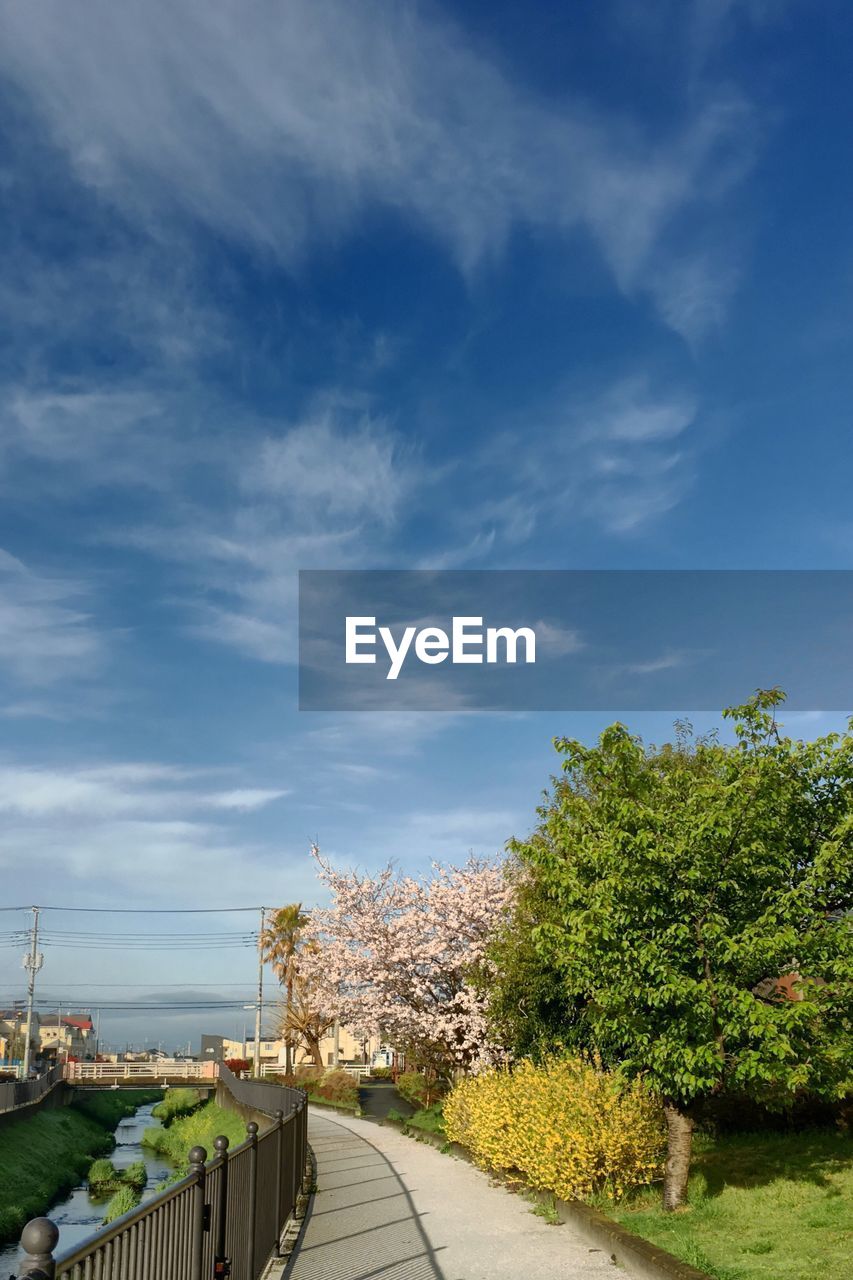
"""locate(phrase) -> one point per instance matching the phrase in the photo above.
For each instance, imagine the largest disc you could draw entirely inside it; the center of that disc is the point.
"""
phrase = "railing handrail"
(104, 1234)
(248, 1208)
(23, 1093)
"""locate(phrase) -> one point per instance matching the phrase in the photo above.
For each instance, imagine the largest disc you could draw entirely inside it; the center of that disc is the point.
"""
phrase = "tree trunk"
(679, 1144)
(314, 1049)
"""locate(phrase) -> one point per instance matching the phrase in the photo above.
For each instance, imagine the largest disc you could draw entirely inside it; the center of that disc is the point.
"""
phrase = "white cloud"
(557, 641)
(617, 459)
(282, 126)
(246, 798)
(325, 472)
(103, 792)
(46, 633)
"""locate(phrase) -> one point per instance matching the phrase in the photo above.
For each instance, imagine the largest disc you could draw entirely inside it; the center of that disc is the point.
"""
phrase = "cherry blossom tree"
(407, 956)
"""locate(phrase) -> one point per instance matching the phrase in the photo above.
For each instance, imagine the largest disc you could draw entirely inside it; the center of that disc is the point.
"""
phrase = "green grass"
(107, 1108)
(102, 1175)
(41, 1156)
(105, 1179)
(196, 1130)
(345, 1104)
(47, 1153)
(428, 1119)
(125, 1199)
(178, 1102)
(760, 1207)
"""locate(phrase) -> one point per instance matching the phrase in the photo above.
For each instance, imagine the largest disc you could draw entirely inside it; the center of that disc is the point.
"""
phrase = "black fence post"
(279, 1179)
(198, 1156)
(303, 1149)
(252, 1131)
(221, 1261)
(38, 1240)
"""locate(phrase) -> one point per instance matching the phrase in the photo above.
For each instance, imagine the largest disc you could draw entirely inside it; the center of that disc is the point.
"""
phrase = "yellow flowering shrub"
(565, 1126)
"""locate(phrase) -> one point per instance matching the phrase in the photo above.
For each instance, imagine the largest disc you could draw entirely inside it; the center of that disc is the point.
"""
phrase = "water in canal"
(76, 1214)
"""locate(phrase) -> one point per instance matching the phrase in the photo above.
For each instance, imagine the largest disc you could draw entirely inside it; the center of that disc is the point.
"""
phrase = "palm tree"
(302, 1021)
(280, 942)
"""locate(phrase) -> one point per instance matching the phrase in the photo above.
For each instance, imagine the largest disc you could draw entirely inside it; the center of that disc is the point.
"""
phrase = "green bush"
(196, 1130)
(105, 1179)
(335, 1086)
(125, 1199)
(135, 1175)
(413, 1086)
(102, 1177)
(178, 1102)
(338, 1086)
(381, 1073)
(430, 1119)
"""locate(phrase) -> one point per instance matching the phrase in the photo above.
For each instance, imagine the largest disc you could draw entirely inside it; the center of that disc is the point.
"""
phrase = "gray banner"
(572, 639)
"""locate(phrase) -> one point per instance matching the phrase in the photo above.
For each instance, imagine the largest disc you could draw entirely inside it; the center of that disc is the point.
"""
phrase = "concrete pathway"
(390, 1208)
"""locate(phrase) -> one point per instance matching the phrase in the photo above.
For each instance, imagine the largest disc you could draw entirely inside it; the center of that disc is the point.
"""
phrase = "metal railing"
(260, 1095)
(224, 1219)
(20, 1093)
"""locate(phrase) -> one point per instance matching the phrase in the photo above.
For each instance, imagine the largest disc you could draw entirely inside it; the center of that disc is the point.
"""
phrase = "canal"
(76, 1214)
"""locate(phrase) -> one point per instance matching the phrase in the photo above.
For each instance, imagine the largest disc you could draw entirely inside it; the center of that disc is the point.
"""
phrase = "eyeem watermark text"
(467, 642)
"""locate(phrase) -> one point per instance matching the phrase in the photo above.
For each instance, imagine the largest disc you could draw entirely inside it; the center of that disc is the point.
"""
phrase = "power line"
(142, 910)
(150, 985)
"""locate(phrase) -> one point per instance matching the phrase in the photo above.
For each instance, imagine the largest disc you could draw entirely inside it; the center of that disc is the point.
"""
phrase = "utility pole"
(32, 963)
(259, 1009)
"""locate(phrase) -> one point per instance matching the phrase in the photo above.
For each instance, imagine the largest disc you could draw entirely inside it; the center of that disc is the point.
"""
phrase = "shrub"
(338, 1086)
(430, 1119)
(199, 1129)
(238, 1065)
(566, 1126)
(330, 1085)
(135, 1175)
(177, 1102)
(102, 1176)
(122, 1202)
(412, 1085)
(381, 1073)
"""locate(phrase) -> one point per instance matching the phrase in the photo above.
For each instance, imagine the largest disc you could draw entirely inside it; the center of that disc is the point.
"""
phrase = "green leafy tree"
(678, 886)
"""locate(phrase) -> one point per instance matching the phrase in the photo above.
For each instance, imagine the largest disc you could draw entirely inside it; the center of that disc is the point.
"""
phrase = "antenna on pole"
(32, 962)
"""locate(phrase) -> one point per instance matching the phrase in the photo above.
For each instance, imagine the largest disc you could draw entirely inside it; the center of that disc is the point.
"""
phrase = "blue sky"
(322, 285)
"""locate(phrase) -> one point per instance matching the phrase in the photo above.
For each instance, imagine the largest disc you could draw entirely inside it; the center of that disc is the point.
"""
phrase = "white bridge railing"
(277, 1069)
(176, 1069)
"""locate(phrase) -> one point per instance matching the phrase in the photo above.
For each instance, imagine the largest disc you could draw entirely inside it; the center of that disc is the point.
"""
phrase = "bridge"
(140, 1075)
(16, 1095)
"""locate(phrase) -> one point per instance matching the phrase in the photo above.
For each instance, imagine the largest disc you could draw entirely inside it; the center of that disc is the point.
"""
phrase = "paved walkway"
(390, 1208)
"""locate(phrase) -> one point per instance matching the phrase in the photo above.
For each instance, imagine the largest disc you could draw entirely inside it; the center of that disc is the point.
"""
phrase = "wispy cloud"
(140, 790)
(47, 631)
(617, 459)
(286, 129)
(324, 473)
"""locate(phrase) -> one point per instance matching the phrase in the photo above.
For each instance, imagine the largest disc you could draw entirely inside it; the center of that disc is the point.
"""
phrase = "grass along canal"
(70, 1136)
